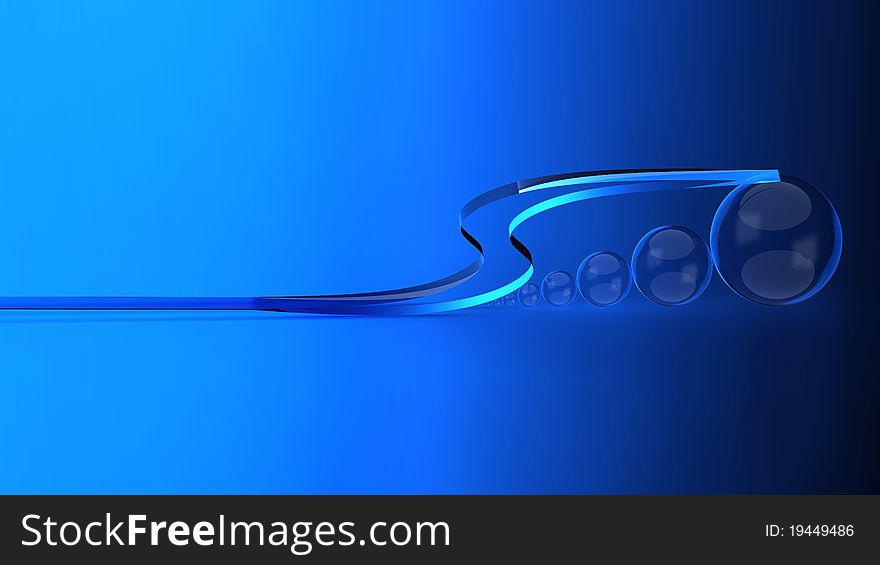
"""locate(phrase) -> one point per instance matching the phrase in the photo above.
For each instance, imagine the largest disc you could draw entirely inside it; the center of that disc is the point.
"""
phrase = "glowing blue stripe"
(636, 183)
(725, 178)
(399, 301)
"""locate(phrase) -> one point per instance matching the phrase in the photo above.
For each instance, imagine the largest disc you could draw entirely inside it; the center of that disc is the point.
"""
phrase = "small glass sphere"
(671, 265)
(496, 303)
(529, 294)
(603, 278)
(558, 288)
(509, 299)
(776, 243)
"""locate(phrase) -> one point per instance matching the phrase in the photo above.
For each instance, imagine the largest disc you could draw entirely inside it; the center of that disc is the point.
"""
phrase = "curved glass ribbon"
(409, 300)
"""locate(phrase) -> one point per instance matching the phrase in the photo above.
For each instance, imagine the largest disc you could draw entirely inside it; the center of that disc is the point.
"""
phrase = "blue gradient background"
(208, 148)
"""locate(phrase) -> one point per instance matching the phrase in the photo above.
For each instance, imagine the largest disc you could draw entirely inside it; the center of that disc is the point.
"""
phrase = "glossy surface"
(558, 288)
(776, 243)
(263, 148)
(603, 278)
(671, 265)
(529, 294)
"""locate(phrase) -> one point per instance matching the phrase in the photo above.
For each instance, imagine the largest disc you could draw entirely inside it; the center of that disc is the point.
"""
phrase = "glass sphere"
(509, 299)
(671, 265)
(529, 294)
(776, 243)
(558, 288)
(603, 278)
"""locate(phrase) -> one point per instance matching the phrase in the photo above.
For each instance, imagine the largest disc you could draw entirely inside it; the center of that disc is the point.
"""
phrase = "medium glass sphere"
(558, 288)
(671, 265)
(529, 294)
(776, 243)
(509, 299)
(603, 278)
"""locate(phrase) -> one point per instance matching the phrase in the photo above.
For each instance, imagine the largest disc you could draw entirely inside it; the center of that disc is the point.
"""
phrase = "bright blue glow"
(630, 185)
(389, 302)
(265, 148)
(645, 182)
(722, 176)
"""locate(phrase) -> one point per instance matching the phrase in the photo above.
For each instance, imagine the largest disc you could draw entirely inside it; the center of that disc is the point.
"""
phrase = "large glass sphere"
(603, 278)
(671, 265)
(558, 288)
(529, 294)
(777, 242)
